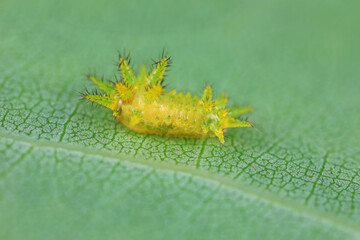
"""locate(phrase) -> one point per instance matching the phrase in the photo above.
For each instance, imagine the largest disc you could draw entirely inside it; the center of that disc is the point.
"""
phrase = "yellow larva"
(141, 104)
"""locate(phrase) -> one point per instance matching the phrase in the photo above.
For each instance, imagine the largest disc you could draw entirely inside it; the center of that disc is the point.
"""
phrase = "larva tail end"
(221, 101)
(207, 94)
(218, 131)
(236, 111)
(206, 99)
(233, 123)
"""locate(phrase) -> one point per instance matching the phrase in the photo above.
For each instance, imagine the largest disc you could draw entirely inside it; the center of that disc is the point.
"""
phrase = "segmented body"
(142, 105)
(172, 115)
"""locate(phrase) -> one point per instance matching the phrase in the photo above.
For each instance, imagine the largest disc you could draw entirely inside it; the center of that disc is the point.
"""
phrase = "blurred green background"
(69, 171)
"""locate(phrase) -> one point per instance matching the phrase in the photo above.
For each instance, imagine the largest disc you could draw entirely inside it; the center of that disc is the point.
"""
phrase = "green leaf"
(68, 170)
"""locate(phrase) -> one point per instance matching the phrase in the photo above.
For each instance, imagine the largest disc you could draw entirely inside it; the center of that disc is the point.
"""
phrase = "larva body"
(171, 115)
(141, 104)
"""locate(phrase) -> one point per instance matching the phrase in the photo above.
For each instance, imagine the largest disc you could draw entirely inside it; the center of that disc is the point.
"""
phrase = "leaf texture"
(70, 171)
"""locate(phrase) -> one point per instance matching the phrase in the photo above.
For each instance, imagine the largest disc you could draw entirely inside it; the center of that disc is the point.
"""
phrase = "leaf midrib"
(196, 172)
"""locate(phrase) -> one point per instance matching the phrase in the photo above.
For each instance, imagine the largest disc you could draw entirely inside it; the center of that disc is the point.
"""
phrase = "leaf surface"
(68, 170)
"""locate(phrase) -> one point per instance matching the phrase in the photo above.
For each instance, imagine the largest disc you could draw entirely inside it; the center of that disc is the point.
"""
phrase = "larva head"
(153, 79)
(121, 93)
(147, 86)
